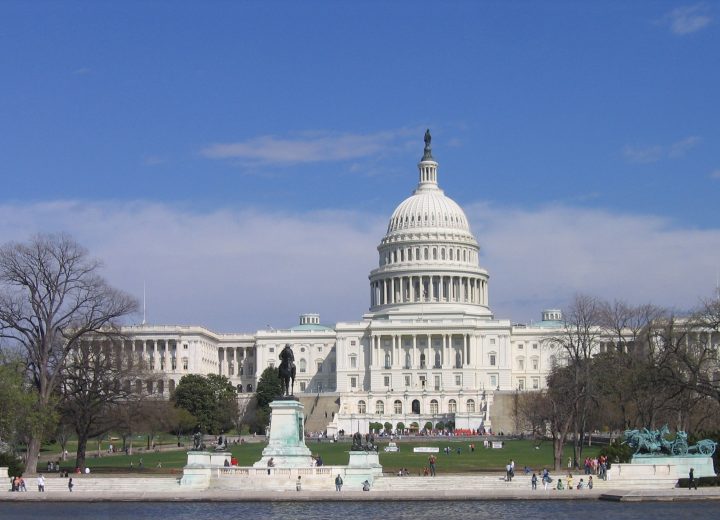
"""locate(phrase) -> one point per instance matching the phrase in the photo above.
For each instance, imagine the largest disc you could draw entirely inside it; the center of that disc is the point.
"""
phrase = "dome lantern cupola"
(428, 166)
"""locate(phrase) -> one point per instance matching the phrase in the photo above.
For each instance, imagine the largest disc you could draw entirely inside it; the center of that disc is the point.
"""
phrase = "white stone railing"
(250, 472)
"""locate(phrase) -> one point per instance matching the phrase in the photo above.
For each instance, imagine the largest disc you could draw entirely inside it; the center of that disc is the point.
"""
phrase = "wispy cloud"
(687, 19)
(655, 153)
(154, 160)
(309, 147)
(237, 270)
(715, 174)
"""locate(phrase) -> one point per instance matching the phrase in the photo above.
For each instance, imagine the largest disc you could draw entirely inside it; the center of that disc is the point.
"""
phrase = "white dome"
(428, 208)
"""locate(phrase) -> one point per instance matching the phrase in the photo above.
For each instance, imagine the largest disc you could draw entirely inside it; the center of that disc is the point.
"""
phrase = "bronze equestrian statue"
(287, 370)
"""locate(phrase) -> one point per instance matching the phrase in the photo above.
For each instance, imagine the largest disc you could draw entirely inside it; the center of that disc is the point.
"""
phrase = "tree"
(97, 379)
(578, 341)
(268, 389)
(181, 422)
(18, 402)
(52, 297)
(212, 400)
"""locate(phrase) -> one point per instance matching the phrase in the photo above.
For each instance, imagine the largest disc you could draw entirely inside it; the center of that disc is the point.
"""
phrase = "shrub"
(617, 452)
(13, 463)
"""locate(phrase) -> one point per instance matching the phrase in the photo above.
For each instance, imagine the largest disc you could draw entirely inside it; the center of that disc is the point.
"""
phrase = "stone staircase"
(90, 483)
(319, 410)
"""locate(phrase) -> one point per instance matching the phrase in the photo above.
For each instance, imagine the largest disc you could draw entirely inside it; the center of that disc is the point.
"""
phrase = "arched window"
(171, 385)
(249, 388)
(470, 406)
(387, 360)
(302, 365)
(442, 254)
(437, 359)
(434, 407)
(361, 407)
(416, 406)
(239, 389)
(398, 406)
(379, 407)
(452, 406)
(422, 360)
(451, 254)
(149, 386)
(426, 253)
(434, 253)
(407, 360)
(458, 360)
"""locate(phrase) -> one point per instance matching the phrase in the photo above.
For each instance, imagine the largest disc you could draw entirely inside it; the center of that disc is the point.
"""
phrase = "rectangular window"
(185, 363)
(437, 382)
(535, 364)
(353, 382)
(173, 364)
(521, 364)
(492, 341)
(272, 349)
(319, 367)
(353, 362)
(386, 380)
(535, 346)
(422, 381)
(352, 343)
(492, 360)
(536, 383)
(520, 346)
(185, 346)
(407, 381)
(493, 381)
(302, 386)
(521, 384)
(458, 379)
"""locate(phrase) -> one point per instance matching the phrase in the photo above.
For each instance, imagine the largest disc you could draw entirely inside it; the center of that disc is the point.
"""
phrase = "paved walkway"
(243, 496)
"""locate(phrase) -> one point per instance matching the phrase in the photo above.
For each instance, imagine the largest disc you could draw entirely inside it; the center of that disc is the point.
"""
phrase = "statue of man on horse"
(287, 370)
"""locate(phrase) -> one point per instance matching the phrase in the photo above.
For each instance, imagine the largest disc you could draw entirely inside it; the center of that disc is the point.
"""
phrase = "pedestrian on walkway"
(533, 481)
(70, 484)
(338, 483)
(41, 483)
(691, 481)
(432, 460)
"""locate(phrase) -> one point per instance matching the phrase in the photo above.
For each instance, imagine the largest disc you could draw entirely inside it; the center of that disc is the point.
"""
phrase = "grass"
(522, 452)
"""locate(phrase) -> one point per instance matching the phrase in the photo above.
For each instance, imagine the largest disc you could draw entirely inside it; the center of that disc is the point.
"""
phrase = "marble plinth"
(702, 464)
(286, 445)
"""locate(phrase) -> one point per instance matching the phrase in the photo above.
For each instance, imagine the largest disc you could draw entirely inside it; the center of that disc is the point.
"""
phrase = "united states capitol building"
(429, 350)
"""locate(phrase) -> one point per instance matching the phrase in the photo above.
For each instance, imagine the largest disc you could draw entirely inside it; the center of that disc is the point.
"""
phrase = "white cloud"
(239, 270)
(680, 148)
(655, 153)
(687, 19)
(309, 147)
(640, 154)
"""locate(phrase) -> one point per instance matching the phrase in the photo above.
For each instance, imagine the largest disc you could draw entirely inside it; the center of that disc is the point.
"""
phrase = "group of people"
(594, 466)
(560, 485)
(18, 483)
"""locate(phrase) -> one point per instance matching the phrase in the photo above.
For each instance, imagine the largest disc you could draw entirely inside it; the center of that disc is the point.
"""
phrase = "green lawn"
(523, 452)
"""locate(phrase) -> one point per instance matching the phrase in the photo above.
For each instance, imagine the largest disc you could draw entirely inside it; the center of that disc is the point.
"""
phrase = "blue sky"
(243, 157)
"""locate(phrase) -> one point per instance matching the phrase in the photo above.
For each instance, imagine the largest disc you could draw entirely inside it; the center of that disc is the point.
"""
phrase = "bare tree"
(577, 342)
(51, 297)
(94, 385)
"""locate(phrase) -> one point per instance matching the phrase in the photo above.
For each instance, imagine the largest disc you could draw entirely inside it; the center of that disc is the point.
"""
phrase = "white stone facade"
(429, 350)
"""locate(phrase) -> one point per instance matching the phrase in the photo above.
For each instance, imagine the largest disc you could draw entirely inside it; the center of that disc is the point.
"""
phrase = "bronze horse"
(286, 370)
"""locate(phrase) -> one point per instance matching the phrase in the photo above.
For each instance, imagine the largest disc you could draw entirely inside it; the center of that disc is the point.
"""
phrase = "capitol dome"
(428, 258)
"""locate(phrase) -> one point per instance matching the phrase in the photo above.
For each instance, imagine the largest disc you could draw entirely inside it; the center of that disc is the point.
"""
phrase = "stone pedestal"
(362, 466)
(286, 445)
(198, 471)
(702, 464)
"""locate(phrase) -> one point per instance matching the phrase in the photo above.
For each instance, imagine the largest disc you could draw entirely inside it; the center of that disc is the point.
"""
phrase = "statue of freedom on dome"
(428, 150)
